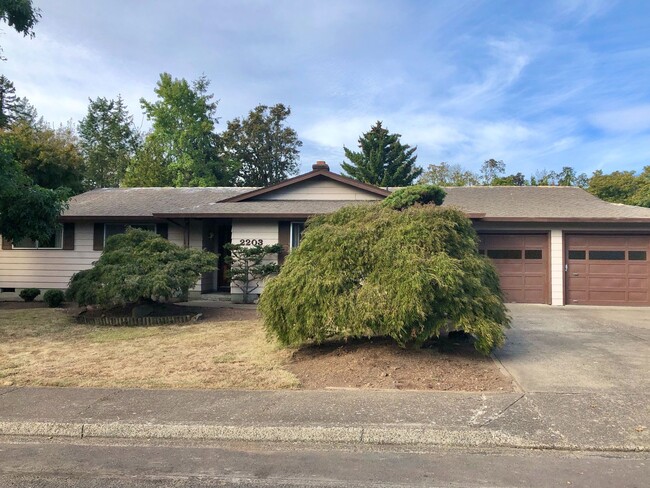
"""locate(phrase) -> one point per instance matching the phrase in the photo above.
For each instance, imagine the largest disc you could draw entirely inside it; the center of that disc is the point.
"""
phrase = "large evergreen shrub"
(139, 266)
(372, 270)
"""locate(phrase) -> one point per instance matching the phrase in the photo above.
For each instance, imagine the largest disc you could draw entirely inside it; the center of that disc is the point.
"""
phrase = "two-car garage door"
(600, 269)
(607, 269)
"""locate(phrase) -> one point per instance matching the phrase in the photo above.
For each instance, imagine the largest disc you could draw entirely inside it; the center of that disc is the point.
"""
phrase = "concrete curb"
(369, 435)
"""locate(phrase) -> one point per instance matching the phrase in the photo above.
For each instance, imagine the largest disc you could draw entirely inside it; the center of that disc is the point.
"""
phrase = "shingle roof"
(539, 202)
(144, 202)
(495, 203)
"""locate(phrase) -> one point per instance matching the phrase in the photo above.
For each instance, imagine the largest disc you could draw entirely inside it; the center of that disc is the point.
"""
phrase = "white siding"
(319, 190)
(267, 230)
(557, 267)
(48, 268)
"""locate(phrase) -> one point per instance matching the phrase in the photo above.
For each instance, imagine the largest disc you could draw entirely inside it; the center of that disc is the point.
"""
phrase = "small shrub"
(248, 267)
(28, 294)
(139, 266)
(53, 298)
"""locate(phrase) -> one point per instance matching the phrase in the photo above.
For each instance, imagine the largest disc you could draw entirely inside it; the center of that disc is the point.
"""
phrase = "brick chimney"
(320, 165)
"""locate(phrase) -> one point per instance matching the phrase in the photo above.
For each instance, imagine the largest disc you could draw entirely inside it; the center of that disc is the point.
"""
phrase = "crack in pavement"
(9, 390)
(100, 399)
(498, 415)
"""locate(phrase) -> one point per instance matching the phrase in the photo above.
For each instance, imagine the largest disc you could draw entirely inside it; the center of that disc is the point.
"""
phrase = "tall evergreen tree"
(383, 159)
(265, 150)
(182, 136)
(108, 140)
(12, 107)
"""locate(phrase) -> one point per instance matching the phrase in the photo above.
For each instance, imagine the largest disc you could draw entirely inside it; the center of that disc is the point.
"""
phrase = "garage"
(607, 269)
(522, 263)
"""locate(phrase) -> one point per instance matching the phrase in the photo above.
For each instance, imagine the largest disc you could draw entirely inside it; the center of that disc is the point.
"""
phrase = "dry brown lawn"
(45, 347)
(228, 349)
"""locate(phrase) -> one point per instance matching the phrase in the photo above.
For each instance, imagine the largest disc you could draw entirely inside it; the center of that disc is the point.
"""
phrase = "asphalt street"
(27, 463)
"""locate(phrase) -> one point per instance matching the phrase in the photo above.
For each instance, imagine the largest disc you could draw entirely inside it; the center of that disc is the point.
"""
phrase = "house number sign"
(251, 242)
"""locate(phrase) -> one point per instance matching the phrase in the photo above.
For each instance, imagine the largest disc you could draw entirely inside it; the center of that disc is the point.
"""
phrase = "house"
(551, 245)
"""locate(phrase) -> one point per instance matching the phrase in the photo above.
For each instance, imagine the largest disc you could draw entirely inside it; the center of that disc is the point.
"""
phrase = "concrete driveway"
(578, 349)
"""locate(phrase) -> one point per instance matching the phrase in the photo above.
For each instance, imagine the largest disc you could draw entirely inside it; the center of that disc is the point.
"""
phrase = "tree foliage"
(249, 266)
(410, 195)
(139, 266)
(182, 148)
(622, 187)
(13, 108)
(26, 210)
(108, 141)
(370, 270)
(21, 15)
(263, 148)
(491, 169)
(50, 157)
(382, 160)
(445, 174)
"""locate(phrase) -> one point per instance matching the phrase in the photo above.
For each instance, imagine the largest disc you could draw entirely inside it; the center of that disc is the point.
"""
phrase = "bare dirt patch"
(380, 363)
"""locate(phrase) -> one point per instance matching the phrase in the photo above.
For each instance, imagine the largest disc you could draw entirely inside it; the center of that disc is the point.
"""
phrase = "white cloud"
(623, 120)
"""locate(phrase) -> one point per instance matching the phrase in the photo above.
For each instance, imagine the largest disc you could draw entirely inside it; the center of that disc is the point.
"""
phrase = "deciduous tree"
(382, 160)
(183, 137)
(445, 174)
(263, 148)
(21, 15)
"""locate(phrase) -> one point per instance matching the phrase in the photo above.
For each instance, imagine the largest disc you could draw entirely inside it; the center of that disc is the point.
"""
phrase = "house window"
(504, 253)
(55, 241)
(297, 228)
(111, 230)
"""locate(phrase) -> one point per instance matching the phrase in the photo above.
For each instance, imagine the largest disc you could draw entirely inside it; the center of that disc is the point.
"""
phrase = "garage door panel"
(608, 270)
(638, 296)
(534, 281)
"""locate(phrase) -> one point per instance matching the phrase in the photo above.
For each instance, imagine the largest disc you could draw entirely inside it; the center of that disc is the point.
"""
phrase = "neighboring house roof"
(500, 203)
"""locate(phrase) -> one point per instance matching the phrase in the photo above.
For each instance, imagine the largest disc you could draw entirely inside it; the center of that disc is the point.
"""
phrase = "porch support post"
(557, 267)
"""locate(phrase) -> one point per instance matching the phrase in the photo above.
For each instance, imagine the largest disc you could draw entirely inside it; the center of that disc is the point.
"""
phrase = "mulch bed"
(379, 363)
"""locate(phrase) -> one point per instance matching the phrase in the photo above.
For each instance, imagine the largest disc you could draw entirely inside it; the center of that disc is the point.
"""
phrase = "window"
(533, 254)
(504, 253)
(577, 254)
(55, 241)
(111, 230)
(297, 228)
(607, 255)
(636, 255)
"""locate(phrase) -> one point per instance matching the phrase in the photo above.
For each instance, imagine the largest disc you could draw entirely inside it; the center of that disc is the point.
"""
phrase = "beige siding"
(319, 190)
(557, 267)
(48, 268)
(267, 230)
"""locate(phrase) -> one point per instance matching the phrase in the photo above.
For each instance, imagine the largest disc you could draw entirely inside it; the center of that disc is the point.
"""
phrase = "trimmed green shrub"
(139, 266)
(248, 267)
(410, 195)
(28, 294)
(53, 298)
(370, 270)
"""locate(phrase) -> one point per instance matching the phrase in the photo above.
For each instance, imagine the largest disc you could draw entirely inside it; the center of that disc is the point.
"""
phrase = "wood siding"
(48, 268)
(319, 190)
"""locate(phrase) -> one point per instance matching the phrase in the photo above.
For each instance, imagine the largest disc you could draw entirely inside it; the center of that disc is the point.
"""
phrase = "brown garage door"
(522, 263)
(607, 270)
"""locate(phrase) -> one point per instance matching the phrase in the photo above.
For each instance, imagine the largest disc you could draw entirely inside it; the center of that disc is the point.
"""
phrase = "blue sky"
(536, 84)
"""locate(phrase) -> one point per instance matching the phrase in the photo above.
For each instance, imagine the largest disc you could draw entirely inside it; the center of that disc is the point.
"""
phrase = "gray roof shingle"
(499, 203)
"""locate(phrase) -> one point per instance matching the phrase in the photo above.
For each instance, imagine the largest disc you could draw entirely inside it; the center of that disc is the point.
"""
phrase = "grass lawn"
(228, 349)
(44, 347)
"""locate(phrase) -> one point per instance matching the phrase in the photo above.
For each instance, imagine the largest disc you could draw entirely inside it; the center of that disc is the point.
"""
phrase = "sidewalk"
(565, 421)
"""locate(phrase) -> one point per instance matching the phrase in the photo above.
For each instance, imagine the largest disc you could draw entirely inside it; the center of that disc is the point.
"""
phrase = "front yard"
(228, 349)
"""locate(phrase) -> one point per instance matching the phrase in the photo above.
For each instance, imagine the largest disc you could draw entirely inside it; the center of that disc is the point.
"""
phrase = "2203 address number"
(251, 242)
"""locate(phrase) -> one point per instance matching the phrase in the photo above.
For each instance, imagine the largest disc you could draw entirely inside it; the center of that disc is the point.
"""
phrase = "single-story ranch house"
(551, 245)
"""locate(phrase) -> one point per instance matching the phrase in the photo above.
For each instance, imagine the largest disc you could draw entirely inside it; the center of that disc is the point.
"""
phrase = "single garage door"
(607, 270)
(522, 263)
